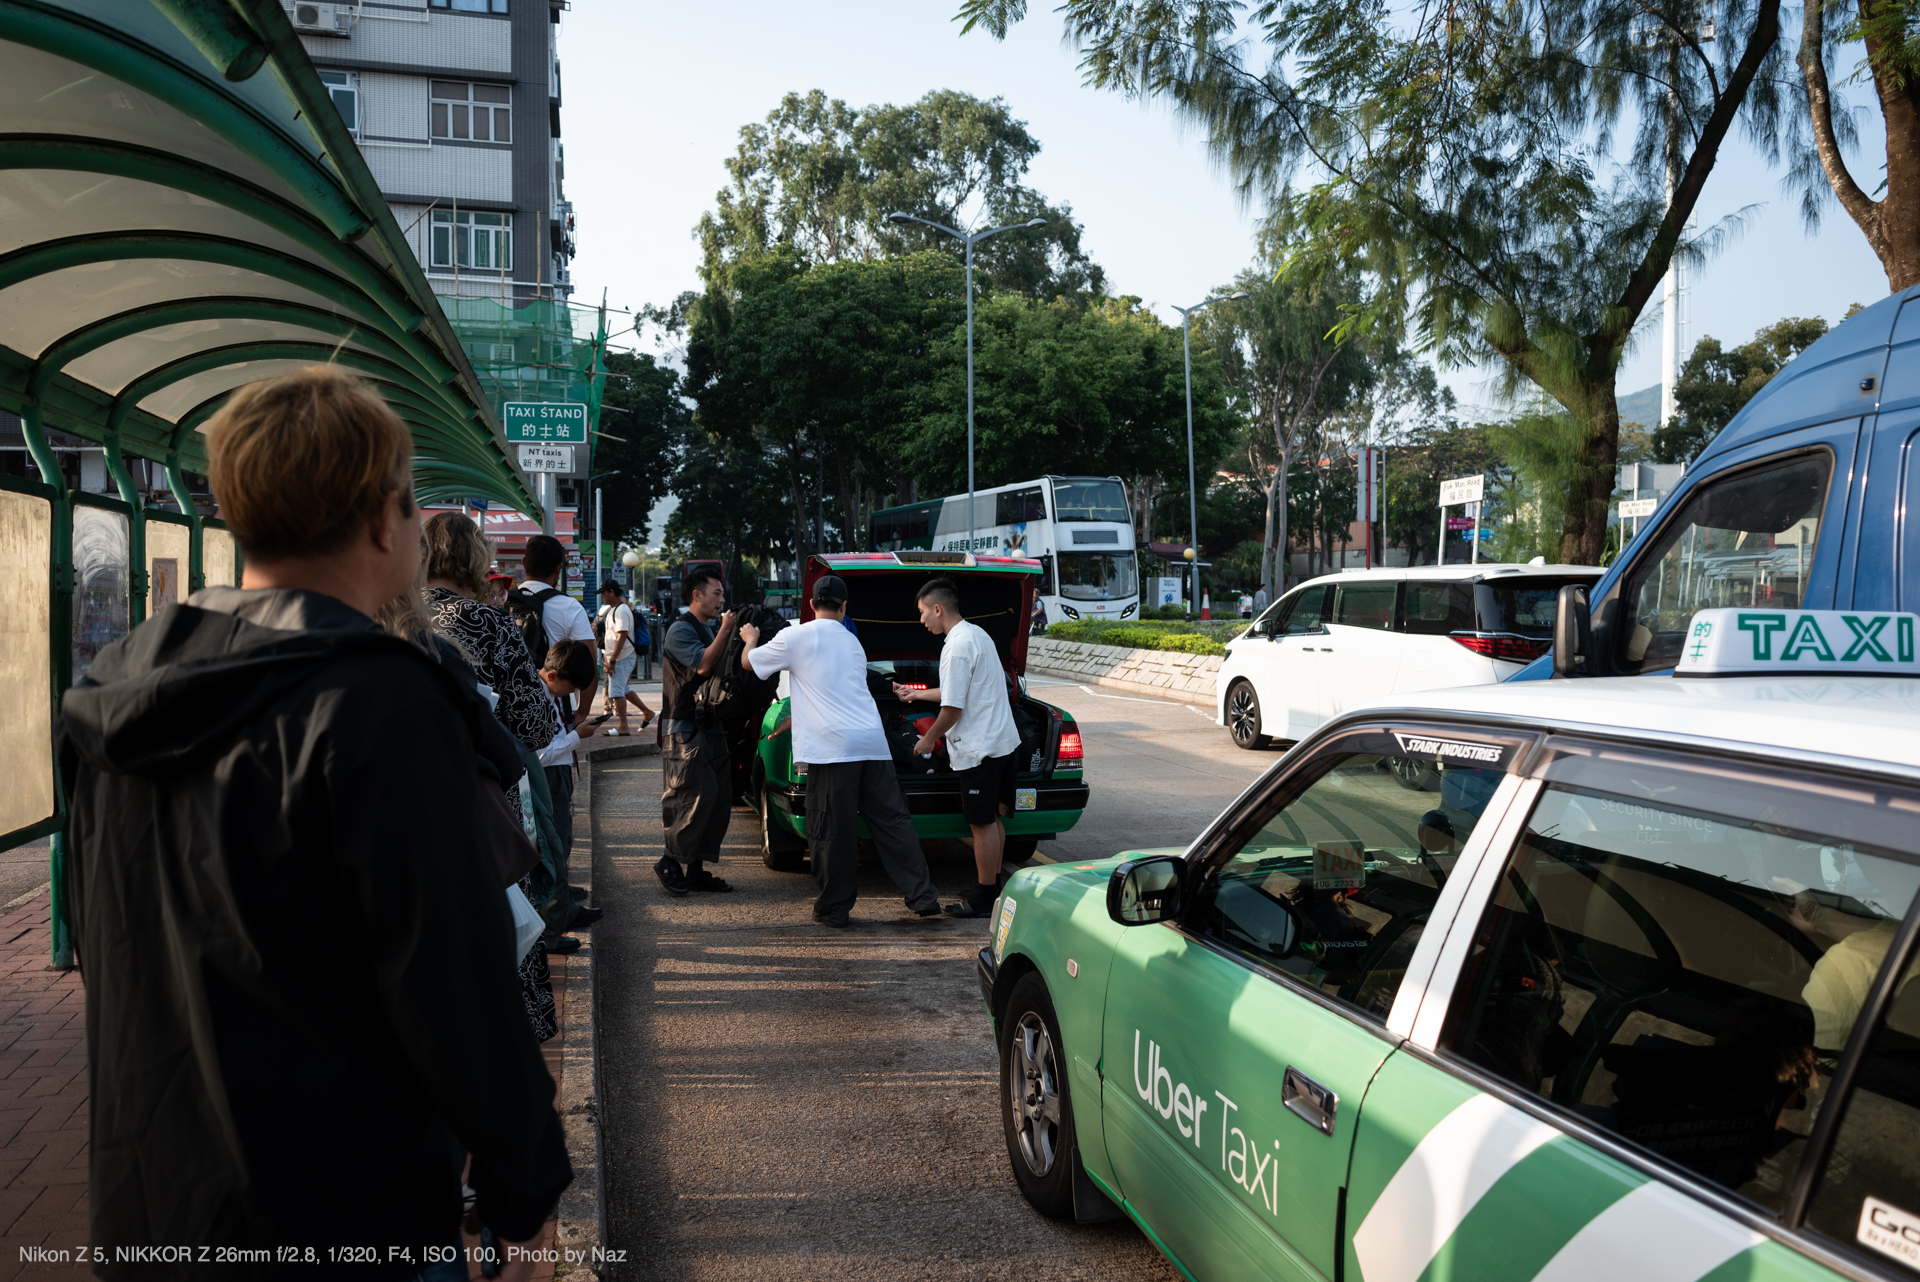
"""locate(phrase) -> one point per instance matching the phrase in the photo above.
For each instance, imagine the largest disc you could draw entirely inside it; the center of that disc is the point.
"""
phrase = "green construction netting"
(537, 351)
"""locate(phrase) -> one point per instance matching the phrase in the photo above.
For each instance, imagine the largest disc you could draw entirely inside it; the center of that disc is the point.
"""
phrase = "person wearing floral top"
(457, 562)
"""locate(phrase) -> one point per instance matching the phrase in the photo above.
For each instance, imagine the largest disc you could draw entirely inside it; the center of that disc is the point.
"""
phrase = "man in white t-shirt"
(850, 774)
(977, 721)
(617, 627)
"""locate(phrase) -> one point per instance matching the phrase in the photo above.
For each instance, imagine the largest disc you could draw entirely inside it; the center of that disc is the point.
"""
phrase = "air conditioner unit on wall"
(318, 18)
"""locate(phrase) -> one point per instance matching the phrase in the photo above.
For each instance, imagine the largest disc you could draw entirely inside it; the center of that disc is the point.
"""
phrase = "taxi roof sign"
(1736, 642)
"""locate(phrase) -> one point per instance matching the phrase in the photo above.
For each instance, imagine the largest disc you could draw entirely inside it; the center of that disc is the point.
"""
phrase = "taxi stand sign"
(1745, 642)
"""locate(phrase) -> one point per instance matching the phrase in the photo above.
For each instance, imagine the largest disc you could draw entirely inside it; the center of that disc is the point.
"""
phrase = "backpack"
(731, 692)
(529, 615)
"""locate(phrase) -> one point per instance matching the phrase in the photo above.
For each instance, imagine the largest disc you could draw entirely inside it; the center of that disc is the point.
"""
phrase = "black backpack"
(731, 691)
(529, 615)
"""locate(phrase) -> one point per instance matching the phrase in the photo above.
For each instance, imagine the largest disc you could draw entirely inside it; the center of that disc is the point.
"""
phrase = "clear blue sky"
(656, 94)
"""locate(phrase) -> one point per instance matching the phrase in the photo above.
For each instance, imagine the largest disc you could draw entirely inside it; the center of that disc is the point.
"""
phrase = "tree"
(1463, 157)
(731, 505)
(1426, 454)
(818, 366)
(1288, 367)
(823, 177)
(1891, 224)
(1097, 390)
(643, 422)
(1716, 383)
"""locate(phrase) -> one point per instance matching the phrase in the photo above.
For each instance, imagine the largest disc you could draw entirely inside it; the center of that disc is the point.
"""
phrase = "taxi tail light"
(1505, 646)
(1071, 750)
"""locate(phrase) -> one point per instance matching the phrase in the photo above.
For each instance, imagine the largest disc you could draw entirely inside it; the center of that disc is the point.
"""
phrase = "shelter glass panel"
(216, 557)
(100, 579)
(26, 655)
(167, 548)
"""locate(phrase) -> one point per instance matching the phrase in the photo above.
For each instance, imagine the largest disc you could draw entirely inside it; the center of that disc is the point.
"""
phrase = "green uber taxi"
(996, 593)
(1552, 981)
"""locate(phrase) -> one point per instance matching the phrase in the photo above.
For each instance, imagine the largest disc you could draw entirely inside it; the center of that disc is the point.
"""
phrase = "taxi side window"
(1335, 888)
(1747, 539)
(1678, 956)
(1868, 1197)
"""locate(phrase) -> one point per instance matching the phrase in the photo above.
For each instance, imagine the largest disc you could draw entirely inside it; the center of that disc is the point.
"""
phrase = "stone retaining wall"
(1164, 673)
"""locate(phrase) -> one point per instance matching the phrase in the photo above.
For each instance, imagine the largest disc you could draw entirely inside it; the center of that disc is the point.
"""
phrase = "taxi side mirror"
(1144, 891)
(1572, 632)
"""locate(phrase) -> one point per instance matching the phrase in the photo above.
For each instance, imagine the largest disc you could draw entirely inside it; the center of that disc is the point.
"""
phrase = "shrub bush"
(1181, 637)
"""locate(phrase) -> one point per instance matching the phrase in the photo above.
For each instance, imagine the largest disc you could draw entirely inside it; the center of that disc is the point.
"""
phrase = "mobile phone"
(601, 719)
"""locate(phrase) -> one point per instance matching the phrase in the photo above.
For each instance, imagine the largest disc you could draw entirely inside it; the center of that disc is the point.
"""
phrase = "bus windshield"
(1097, 576)
(1089, 501)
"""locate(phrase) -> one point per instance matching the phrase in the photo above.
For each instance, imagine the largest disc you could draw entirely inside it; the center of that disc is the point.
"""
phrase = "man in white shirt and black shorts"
(850, 773)
(977, 721)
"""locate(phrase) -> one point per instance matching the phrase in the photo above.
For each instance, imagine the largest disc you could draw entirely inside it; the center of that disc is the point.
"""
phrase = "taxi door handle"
(1309, 1101)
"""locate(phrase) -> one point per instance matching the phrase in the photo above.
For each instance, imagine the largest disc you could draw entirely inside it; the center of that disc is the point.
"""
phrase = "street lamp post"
(969, 242)
(601, 570)
(1193, 494)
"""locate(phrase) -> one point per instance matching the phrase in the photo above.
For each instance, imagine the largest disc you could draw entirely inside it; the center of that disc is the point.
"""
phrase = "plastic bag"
(527, 925)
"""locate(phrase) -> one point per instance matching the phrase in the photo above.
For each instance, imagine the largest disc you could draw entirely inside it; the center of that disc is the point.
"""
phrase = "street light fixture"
(1193, 494)
(969, 242)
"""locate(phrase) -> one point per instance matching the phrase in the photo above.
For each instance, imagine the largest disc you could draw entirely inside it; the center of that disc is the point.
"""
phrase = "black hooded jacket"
(302, 1003)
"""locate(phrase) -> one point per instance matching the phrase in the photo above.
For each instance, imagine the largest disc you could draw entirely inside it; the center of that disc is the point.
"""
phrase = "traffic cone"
(1206, 605)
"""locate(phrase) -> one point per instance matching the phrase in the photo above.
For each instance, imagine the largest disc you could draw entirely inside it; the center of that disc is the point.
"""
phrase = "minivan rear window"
(1517, 606)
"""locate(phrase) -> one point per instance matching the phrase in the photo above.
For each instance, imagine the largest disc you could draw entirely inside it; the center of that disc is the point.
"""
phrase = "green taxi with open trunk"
(996, 593)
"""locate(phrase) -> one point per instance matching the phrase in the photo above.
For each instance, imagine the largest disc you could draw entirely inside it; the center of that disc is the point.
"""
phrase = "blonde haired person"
(301, 997)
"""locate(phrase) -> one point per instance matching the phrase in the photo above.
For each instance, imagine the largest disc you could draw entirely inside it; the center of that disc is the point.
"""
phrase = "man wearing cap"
(850, 775)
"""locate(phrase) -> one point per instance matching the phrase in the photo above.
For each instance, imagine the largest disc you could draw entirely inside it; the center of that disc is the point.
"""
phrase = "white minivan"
(1350, 638)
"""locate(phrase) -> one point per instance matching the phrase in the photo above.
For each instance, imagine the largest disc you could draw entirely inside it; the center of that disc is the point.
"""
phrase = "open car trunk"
(996, 594)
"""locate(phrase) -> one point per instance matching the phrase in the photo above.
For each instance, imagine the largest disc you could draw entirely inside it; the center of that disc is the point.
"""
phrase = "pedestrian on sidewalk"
(977, 723)
(567, 672)
(850, 774)
(696, 785)
(302, 1011)
(624, 637)
(545, 617)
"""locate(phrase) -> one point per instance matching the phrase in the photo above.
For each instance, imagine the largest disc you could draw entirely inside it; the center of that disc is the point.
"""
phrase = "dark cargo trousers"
(696, 795)
(839, 795)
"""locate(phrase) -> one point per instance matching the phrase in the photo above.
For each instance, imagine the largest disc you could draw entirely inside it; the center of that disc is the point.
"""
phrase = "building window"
(480, 242)
(346, 96)
(477, 112)
(471, 6)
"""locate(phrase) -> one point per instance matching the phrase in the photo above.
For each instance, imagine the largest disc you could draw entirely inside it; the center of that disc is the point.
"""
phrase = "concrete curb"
(1162, 674)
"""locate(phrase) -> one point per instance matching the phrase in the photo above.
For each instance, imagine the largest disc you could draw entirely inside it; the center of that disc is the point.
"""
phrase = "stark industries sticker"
(1889, 1230)
(1465, 750)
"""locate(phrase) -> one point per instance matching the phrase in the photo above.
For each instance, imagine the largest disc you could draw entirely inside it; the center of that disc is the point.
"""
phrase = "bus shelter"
(182, 212)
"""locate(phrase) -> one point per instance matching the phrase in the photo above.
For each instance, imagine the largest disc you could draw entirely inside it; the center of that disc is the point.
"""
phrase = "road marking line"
(1124, 699)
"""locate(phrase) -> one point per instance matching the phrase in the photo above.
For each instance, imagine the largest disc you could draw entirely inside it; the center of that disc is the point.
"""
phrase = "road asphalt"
(780, 1100)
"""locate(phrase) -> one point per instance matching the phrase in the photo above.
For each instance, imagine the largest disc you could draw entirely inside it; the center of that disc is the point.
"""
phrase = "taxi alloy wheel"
(1034, 1081)
(1036, 1104)
(780, 850)
(1243, 717)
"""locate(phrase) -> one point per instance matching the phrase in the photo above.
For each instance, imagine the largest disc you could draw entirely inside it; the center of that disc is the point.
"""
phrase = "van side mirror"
(1572, 632)
(1144, 891)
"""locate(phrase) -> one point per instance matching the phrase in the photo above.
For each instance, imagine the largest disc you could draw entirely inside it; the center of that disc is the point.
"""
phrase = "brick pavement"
(43, 1100)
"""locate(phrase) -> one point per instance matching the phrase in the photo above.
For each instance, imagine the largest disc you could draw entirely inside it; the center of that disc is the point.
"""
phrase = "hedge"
(1180, 638)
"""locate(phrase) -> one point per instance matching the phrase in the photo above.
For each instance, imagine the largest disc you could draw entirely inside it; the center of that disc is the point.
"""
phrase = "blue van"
(1800, 502)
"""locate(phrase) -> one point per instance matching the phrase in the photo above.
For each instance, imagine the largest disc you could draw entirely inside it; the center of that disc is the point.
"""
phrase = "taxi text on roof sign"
(1731, 642)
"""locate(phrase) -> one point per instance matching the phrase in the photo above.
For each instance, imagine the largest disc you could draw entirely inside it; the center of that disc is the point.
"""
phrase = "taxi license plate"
(1026, 798)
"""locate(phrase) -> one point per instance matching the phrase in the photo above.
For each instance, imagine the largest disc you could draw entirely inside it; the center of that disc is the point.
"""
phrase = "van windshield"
(1089, 501)
(1748, 539)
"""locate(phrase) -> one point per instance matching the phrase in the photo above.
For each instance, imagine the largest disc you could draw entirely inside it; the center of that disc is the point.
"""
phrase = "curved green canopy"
(185, 213)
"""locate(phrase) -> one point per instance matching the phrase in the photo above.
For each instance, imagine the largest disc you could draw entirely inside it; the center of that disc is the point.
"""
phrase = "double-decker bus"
(1078, 527)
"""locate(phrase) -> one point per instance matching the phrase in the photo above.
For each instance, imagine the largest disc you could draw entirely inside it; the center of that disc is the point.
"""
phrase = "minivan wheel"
(1243, 717)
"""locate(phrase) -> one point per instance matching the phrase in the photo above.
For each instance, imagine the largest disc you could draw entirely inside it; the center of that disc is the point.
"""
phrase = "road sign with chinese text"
(556, 422)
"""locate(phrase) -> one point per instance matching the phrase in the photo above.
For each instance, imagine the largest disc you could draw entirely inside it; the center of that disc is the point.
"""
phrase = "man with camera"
(696, 790)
